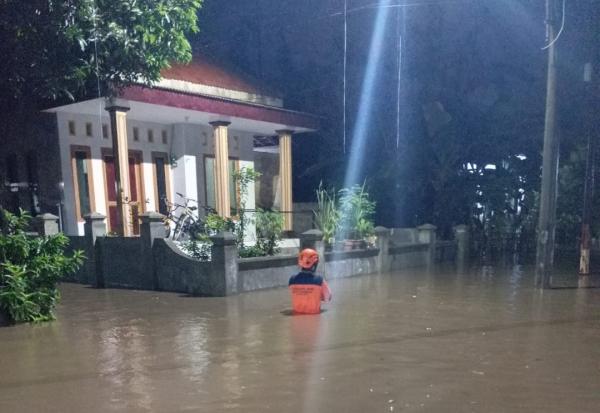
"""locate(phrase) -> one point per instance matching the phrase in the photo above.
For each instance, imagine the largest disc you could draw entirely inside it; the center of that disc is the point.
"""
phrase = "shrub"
(30, 269)
(251, 251)
(269, 225)
(198, 248)
(243, 178)
(214, 223)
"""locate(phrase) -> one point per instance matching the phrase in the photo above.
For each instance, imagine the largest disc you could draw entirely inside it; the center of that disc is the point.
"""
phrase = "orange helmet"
(308, 258)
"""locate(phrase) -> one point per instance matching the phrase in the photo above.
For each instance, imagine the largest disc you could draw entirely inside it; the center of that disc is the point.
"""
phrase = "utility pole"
(588, 194)
(547, 217)
(591, 39)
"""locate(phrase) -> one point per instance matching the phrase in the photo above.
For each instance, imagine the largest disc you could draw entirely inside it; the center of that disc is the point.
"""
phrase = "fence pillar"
(152, 226)
(46, 224)
(383, 244)
(93, 229)
(427, 236)
(461, 235)
(224, 256)
(314, 239)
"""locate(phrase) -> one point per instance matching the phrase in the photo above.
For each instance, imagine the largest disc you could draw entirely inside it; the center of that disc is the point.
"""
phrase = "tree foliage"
(56, 49)
(30, 269)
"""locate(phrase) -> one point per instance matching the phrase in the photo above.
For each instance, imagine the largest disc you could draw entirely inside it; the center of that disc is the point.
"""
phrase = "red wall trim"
(220, 106)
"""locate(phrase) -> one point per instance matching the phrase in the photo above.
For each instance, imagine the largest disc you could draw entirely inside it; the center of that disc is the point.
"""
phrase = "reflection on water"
(440, 340)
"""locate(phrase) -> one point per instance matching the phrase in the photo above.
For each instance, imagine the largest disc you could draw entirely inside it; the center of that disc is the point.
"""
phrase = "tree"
(63, 49)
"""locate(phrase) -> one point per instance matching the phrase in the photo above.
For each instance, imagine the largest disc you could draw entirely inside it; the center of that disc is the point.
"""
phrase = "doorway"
(136, 198)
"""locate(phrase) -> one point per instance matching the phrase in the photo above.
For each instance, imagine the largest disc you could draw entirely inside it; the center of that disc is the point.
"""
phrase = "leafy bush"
(269, 225)
(243, 178)
(198, 248)
(30, 269)
(214, 223)
(251, 251)
(199, 245)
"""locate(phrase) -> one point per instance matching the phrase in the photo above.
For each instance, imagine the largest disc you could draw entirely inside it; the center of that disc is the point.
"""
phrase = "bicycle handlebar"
(185, 198)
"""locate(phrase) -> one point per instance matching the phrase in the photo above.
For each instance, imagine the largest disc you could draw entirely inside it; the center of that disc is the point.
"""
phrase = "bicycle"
(186, 223)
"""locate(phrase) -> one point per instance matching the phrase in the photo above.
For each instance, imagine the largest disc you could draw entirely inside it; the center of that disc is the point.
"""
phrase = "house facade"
(152, 147)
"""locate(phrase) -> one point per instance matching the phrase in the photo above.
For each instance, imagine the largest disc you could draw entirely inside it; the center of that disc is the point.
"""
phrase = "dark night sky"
(481, 60)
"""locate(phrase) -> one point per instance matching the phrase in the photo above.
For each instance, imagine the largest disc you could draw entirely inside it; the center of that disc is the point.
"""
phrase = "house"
(185, 135)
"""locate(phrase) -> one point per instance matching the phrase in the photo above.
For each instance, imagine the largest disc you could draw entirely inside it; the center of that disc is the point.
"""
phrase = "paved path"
(412, 341)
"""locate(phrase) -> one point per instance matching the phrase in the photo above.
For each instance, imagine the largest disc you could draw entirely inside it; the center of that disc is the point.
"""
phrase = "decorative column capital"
(116, 105)
(288, 132)
(218, 123)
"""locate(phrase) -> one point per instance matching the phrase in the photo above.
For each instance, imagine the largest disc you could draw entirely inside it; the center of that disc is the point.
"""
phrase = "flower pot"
(354, 244)
(338, 246)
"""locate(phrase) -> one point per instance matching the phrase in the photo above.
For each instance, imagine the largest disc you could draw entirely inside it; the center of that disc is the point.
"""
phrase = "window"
(160, 181)
(105, 131)
(209, 176)
(88, 129)
(82, 179)
(164, 137)
(150, 135)
(72, 128)
(136, 134)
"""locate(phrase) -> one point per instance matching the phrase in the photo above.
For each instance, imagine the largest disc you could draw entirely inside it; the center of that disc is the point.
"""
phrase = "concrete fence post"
(46, 224)
(152, 226)
(313, 239)
(383, 244)
(94, 228)
(427, 235)
(224, 256)
(461, 235)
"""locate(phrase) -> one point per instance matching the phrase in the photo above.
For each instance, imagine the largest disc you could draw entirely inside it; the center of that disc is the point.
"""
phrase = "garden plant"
(31, 268)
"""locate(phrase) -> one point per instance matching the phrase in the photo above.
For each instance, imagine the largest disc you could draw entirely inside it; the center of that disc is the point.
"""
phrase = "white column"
(118, 125)
(221, 168)
(285, 177)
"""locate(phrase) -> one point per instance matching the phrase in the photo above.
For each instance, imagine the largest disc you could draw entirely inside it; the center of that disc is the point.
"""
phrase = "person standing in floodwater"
(307, 288)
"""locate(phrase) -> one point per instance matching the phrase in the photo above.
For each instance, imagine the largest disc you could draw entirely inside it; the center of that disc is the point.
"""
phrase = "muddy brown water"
(483, 341)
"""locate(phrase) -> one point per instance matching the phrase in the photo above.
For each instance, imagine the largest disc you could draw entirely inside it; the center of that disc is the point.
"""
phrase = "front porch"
(124, 157)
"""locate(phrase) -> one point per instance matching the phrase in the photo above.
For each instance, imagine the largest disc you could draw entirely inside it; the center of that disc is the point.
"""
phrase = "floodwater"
(482, 341)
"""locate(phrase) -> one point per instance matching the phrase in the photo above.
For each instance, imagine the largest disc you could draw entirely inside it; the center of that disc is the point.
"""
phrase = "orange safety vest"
(308, 290)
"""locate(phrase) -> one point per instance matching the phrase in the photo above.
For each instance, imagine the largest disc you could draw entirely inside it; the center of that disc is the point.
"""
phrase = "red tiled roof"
(203, 72)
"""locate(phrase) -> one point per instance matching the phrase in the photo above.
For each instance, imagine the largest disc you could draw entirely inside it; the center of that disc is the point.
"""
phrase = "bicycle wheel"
(182, 229)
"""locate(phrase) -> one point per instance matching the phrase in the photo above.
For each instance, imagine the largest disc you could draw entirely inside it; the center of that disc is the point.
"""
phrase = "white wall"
(187, 144)
(96, 143)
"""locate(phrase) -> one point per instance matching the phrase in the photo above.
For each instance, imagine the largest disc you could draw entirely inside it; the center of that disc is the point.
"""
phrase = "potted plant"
(327, 215)
(357, 211)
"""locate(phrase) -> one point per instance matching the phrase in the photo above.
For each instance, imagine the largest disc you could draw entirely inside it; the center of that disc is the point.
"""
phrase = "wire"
(562, 27)
(345, 63)
(393, 6)
(399, 79)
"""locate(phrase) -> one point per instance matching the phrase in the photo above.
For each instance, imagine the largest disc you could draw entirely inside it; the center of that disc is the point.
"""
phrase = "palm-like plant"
(356, 212)
(327, 215)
